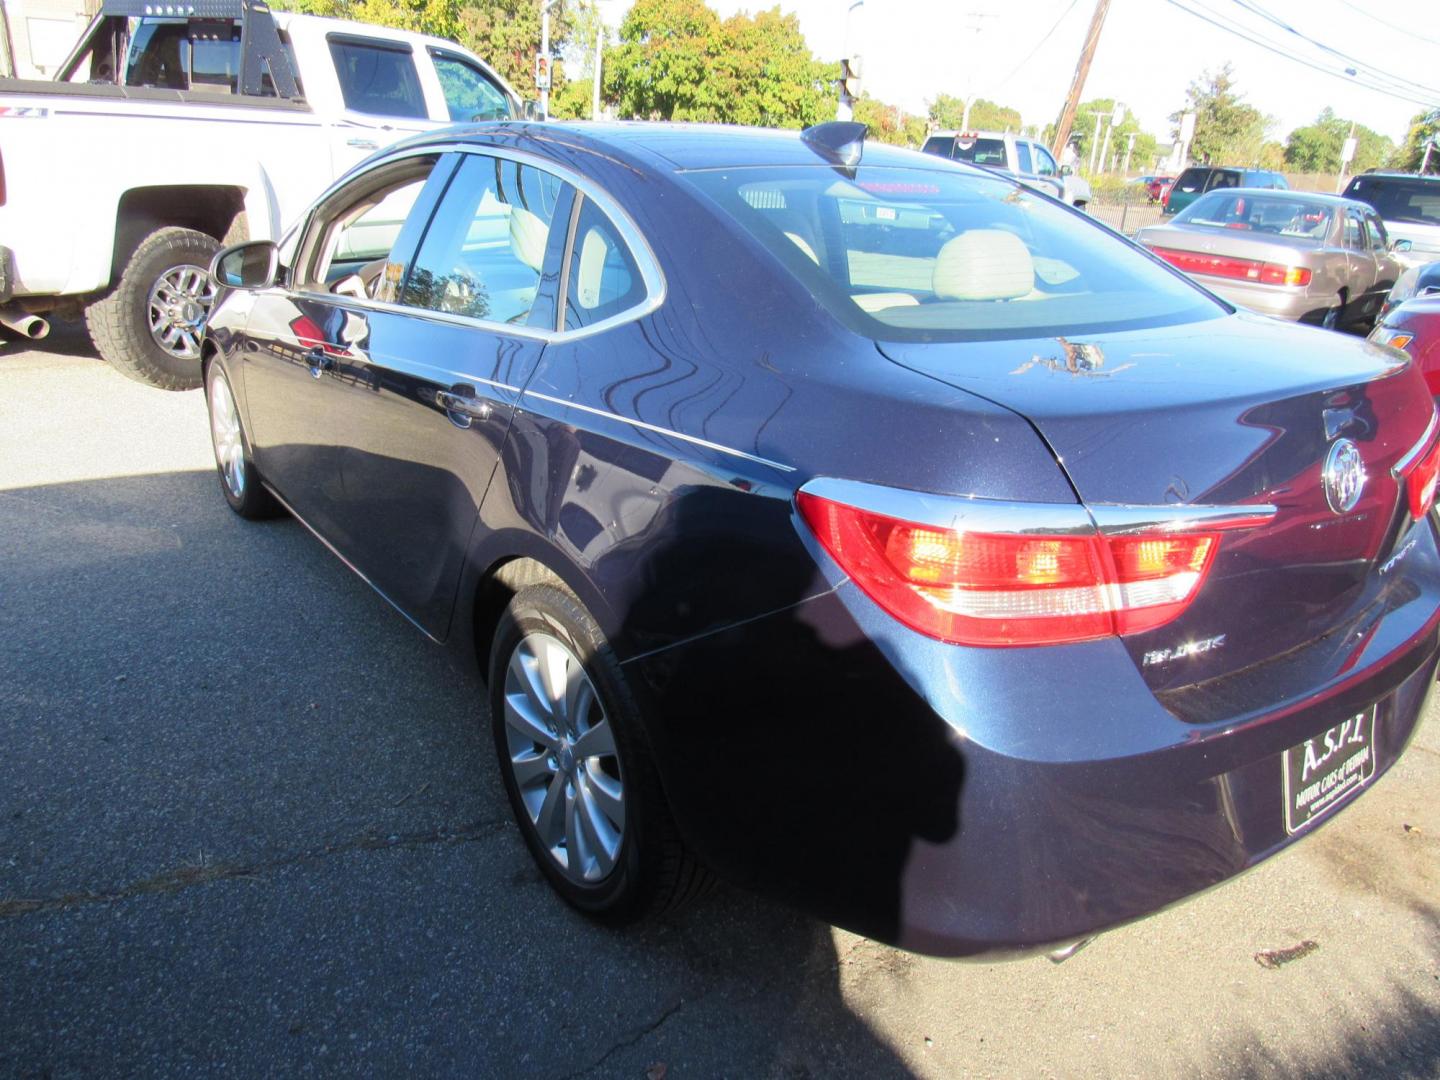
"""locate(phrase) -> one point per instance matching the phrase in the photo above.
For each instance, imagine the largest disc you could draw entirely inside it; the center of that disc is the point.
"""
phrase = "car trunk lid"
(1234, 411)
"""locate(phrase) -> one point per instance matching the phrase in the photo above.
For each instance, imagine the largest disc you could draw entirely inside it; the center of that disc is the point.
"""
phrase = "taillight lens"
(977, 588)
(1420, 481)
(1386, 335)
(1266, 273)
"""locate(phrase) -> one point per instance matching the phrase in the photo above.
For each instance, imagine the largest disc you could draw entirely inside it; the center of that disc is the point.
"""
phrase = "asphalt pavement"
(250, 825)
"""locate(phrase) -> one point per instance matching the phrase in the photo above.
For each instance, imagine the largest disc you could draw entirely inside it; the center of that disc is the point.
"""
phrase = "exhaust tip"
(1065, 952)
(30, 327)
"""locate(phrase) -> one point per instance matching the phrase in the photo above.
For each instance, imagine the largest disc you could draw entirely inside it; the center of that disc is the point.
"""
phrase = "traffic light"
(542, 71)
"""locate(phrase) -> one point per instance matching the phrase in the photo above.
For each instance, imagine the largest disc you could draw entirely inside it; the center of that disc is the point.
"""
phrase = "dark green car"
(1198, 179)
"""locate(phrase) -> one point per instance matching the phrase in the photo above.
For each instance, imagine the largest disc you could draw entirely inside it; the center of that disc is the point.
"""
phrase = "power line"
(1270, 46)
(1407, 30)
(1039, 44)
(1374, 72)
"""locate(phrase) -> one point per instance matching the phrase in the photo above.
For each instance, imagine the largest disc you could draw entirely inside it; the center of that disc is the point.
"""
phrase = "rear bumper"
(968, 802)
(1275, 300)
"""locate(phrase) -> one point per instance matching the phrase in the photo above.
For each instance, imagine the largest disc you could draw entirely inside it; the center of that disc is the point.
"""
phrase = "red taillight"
(978, 588)
(1193, 262)
(1420, 480)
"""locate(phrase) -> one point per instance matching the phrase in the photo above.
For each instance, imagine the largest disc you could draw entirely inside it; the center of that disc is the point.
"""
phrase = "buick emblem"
(1344, 476)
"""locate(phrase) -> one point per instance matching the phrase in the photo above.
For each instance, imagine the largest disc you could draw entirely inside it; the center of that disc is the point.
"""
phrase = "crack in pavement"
(626, 1043)
(187, 876)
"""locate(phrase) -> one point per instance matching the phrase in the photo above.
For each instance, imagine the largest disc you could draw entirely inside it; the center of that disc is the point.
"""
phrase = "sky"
(1149, 51)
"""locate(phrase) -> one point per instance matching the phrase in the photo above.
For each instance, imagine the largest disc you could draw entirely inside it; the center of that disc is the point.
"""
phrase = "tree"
(948, 112)
(660, 69)
(1227, 130)
(1084, 134)
(889, 123)
(1316, 147)
(1423, 127)
(767, 74)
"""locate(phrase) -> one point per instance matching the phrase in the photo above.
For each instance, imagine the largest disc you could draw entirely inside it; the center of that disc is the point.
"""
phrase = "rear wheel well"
(211, 209)
(499, 584)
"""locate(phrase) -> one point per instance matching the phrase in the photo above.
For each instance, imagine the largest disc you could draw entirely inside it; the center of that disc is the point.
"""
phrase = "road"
(249, 827)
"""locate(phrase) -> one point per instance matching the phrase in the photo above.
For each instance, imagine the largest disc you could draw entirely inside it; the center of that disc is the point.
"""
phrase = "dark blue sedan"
(859, 526)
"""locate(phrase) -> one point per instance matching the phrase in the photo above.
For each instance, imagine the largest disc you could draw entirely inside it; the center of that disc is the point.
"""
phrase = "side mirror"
(530, 110)
(252, 265)
(1400, 245)
(1066, 170)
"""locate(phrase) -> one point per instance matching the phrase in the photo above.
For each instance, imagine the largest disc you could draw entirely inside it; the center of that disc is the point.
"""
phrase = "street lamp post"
(849, 67)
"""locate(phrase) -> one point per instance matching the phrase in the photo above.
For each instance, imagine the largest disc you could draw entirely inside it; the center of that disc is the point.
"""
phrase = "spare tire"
(150, 326)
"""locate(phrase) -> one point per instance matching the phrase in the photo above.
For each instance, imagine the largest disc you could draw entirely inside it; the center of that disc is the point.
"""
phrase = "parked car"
(1295, 255)
(925, 554)
(1414, 326)
(1025, 159)
(1157, 186)
(1198, 179)
(1409, 205)
(165, 136)
(1421, 280)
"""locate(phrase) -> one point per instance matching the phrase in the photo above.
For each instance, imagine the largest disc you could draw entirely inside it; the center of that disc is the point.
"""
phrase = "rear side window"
(604, 280)
(1192, 181)
(922, 255)
(1022, 157)
(377, 77)
(485, 248)
(941, 145)
(1223, 178)
(1354, 231)
(176, 56)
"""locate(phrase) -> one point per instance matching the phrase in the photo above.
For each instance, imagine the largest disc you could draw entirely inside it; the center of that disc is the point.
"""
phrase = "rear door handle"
(462, 406)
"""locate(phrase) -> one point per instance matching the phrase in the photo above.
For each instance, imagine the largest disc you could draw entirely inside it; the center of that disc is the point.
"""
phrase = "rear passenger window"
(377, 77)
(1022, 156)
(604, 279)
(484, 251)
(1354, 231)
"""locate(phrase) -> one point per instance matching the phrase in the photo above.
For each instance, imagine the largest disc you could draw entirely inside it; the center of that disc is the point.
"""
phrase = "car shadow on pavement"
(66, 337)
(250, 821)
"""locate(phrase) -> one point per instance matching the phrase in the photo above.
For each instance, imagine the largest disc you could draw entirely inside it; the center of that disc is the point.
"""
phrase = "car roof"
(676, 147)
(1428, 178)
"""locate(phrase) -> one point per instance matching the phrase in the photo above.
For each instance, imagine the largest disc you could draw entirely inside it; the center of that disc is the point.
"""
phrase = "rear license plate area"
(1326, 770)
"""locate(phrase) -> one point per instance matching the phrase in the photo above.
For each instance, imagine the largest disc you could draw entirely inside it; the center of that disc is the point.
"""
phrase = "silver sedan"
(1295, 255)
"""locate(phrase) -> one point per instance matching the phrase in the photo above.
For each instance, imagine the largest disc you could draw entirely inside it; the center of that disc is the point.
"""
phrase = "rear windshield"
(943, 255)
(1248, 212)
(1415, 202)
(980, 151)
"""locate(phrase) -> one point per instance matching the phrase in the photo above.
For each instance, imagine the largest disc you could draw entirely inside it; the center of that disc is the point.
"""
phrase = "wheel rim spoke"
(179, 302)
(563, 758)
(225, 435)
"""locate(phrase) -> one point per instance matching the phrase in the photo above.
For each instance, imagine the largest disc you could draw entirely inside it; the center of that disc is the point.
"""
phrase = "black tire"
(1335, 317)
(242, 487)
(119, 323)
(653, 871)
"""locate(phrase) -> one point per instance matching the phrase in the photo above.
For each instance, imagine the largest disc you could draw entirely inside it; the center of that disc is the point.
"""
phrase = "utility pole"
(850, 66)
(975, 26)
(542, 62)
(599, 59)
(1129, 149)
(1082, 70)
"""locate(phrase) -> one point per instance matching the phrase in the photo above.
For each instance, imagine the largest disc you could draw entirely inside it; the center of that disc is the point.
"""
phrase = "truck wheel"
(150, 325)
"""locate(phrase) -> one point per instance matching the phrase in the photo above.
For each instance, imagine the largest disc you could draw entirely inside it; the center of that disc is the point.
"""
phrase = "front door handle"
(462, 406)
(319, 361)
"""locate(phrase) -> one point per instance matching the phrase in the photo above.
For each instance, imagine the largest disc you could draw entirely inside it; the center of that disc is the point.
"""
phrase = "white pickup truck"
(164, 137)
(1025, 159)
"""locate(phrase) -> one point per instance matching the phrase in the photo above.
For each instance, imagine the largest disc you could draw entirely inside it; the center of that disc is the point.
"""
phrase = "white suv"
(1025, 159)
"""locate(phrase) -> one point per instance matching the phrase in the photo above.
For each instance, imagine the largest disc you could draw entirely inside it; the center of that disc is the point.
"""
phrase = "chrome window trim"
(1412, 455)
(972, 513)
(644, 255)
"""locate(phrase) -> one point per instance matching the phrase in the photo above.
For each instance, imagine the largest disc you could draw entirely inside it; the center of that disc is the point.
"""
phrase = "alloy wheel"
(561, 752)
(179, 304)
(225, 435)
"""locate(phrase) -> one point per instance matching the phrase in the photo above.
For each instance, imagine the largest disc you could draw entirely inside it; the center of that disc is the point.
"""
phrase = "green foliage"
(890, 124)
(677, 61)
(1316, 147)
(1423, 127)
(1227, 130)
(1083, 135)
(948, 112)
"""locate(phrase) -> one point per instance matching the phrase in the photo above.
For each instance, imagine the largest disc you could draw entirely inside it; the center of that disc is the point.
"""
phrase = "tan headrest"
(590, 272)
(984, 264)
(528, 234)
